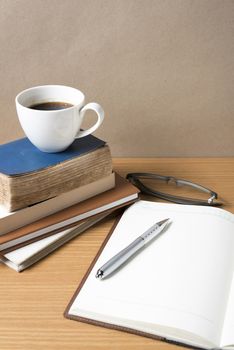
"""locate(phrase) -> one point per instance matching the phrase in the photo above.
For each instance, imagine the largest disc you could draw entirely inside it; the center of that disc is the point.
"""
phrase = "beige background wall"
(163, 70)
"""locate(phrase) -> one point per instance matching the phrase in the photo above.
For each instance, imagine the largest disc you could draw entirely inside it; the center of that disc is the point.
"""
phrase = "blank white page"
(181, 280)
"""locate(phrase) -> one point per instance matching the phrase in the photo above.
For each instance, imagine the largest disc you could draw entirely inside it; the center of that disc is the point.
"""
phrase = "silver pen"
(119, 259)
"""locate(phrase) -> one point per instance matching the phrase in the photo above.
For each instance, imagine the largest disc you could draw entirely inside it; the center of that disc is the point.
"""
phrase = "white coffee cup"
(54, 130)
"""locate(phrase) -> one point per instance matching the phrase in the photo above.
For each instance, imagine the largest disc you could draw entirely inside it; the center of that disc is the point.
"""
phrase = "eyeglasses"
(140, 181)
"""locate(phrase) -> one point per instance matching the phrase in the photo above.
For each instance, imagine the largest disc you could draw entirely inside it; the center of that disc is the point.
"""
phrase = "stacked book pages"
(48, 199)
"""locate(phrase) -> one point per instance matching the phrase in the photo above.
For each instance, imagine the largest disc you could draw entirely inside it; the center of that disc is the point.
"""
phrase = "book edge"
(62, 227)
(32, 209)
(61, 241)
(71, 212)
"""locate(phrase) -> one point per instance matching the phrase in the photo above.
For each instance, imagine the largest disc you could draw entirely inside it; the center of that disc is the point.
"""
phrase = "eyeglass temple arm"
(213, 194)
(171, 198)
(210, 200)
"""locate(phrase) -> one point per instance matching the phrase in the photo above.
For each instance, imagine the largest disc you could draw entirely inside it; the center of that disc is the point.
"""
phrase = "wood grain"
(32, 302)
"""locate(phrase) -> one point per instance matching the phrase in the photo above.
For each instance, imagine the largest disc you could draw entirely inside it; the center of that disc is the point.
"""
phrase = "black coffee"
(51, 106)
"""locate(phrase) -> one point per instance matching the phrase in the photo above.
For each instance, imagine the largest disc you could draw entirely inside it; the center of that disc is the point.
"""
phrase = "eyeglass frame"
(134, 178)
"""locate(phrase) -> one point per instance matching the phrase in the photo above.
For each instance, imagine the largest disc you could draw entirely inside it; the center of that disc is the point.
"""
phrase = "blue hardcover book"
(29, 176)
(21, 156)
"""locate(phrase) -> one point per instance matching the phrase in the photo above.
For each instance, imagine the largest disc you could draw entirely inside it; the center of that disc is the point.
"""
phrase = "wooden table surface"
(32, 302)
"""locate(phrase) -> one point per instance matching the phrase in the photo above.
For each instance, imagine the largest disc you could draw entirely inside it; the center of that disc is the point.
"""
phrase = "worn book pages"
(10, 221)
(17, 192)
(180, 287)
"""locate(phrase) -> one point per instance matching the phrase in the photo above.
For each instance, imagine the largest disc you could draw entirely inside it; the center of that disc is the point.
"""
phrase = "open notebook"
(179, 288)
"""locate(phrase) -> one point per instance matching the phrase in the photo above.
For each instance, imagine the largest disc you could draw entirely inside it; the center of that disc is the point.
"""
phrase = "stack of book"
(47, 199)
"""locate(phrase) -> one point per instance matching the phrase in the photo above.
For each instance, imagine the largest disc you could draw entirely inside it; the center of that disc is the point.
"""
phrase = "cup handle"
(100, 114)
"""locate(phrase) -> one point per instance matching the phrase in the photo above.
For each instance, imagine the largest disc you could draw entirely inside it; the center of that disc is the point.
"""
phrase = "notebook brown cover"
(100, 323)
(122, 189)
(109, 213)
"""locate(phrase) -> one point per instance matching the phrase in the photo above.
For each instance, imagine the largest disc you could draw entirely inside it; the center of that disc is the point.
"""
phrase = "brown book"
(123, 194)
(42, 176)
(27, 255)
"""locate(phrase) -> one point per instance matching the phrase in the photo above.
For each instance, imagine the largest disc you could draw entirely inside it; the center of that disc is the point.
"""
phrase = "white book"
(28, 255)
(180, 287)
(10, 221)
